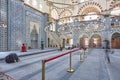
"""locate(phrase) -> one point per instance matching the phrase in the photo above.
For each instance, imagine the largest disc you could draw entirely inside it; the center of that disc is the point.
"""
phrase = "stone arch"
(82, 35)
(115, 40)
(84, 41)
(95, 40)
(64, 12)
(114, 4)
(34, 37)
(90, 8)
(93, 6)
(54, 13)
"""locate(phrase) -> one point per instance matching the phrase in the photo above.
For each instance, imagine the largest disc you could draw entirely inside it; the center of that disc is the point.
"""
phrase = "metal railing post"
(84, 54)
(43, 69)
(70, 66)
(81, 58)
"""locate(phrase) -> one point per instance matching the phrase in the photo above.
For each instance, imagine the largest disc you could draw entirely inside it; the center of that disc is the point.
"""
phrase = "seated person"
(23, 49)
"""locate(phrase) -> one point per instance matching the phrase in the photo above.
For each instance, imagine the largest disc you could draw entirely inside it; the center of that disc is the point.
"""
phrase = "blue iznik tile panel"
(16, 28)
(3, 28)
(76, 34)
(37, 19)
(20, 18)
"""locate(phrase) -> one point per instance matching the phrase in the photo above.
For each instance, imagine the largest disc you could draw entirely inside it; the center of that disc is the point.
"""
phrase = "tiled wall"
(16, 24)
(38, 18)
(19, 18)
(3, 20)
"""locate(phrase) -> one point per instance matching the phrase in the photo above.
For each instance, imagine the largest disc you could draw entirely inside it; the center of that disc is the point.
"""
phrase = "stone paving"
(114, 66)
(94, 67)
(29, 52)
(3, 76)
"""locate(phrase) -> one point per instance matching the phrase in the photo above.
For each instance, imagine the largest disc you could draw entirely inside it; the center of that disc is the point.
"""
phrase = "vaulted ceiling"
(63, 8)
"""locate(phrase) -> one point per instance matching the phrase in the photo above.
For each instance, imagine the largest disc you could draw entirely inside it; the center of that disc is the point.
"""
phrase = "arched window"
(115, 11)
(54, 14)
(27, 1)
(82, 0)
(34, 3)
(90, 16)
(52, 27)
(64, 16)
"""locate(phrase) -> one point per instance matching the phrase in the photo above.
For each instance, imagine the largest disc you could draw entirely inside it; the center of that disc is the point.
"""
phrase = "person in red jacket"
(23, 48)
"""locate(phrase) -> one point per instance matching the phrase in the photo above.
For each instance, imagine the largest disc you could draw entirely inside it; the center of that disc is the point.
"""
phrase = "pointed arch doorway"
(34, 38)
(115, 41)
(84, 41)
(95, 41)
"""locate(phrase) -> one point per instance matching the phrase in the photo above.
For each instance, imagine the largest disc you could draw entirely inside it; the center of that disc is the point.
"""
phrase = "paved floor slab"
(94, 67)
